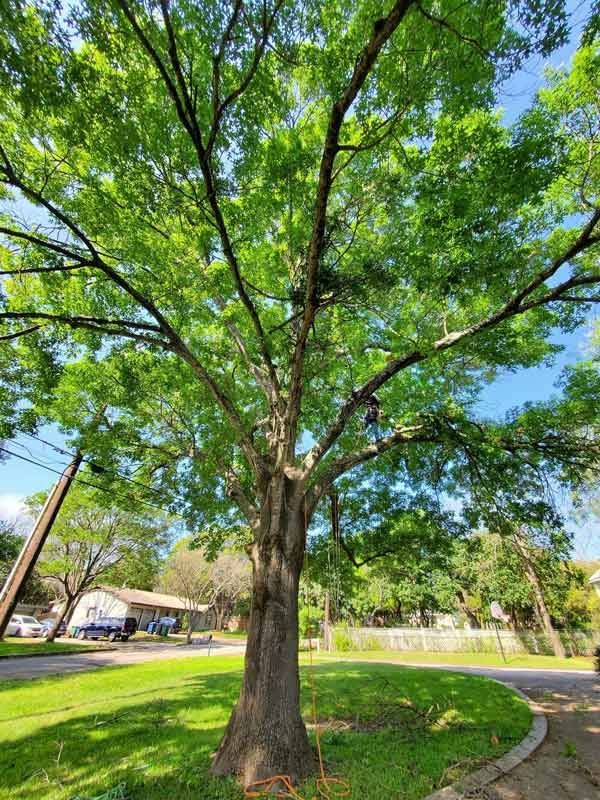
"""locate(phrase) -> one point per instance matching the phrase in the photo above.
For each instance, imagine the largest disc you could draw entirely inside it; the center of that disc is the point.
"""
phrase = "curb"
(504, 764)
(56, 653)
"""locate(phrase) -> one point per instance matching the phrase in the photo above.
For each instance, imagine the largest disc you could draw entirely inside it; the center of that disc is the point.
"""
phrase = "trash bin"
(151, 628)
(163, 630)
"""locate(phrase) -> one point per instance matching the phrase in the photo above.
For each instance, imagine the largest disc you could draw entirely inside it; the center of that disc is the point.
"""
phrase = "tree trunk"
(539, 601)
(266, 735)
(220, 611)
(67, 610)
(468, 612)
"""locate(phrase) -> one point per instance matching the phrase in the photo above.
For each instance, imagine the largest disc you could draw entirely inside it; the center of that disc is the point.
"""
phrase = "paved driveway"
(123, 654)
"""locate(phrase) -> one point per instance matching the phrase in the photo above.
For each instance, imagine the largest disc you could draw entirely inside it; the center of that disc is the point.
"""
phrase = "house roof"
(595, 578)
(140, 597)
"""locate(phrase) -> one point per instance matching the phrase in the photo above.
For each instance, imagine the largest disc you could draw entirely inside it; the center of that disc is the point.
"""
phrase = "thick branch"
(95, 324)
(15, 233)
(259, 374)
(512, 308)
(187, 115)
(221, 106)
(382, 30)
(9, 336)
(414, 433)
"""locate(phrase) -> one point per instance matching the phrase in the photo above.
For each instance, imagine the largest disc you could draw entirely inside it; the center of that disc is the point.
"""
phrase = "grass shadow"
(158, 740)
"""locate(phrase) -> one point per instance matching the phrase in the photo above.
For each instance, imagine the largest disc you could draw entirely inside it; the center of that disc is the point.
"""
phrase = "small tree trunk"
(539, 601)
(266, 735)
(219, 616)
(190, 629)
(468, 612)
(67, 611)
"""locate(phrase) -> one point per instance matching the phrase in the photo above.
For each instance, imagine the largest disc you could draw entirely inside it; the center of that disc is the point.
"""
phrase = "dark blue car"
(111, 627)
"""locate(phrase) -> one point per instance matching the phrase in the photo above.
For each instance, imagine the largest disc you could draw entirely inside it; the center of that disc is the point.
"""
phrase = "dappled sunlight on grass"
(154, 727)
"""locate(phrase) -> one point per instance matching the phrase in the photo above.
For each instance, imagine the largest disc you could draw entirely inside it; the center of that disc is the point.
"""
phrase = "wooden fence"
(458, 640)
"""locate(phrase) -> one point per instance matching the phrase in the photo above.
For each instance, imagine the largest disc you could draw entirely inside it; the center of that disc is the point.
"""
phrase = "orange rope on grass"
(325, 783)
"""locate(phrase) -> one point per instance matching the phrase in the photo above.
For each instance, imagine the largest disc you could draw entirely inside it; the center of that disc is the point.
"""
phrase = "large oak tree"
(233, 222)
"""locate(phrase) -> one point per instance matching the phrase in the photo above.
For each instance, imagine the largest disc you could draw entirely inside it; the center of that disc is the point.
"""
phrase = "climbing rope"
(329, 788)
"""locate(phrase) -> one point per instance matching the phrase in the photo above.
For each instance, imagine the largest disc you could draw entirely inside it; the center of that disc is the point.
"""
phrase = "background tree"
(204, 584)
(35, 591)
(232, 577)
(189, 576)
(298, 209)
(91, 539)
(10, 545)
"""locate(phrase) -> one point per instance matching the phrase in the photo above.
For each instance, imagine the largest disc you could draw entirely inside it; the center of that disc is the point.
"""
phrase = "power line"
(93, 485)
(98, 466)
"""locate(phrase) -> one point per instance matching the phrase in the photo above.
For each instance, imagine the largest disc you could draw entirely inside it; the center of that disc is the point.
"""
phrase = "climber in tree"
(372, 416)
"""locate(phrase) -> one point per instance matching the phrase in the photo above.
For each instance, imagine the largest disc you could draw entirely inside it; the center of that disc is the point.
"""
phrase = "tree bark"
(539, 601)
(67, 610)
(266, 735)
(467, 611)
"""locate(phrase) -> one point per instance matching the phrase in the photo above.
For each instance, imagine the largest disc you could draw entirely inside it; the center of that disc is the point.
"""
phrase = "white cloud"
(11, 506)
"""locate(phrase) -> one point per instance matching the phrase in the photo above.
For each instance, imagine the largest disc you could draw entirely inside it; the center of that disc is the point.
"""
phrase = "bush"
(342, 641)
(308, 621)
(597, 662)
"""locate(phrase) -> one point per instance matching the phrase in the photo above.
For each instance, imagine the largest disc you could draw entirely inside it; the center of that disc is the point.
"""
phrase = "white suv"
(25, 626)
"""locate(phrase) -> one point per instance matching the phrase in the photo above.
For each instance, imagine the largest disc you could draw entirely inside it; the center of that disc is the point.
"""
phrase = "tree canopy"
(165, 252)
(230, 224)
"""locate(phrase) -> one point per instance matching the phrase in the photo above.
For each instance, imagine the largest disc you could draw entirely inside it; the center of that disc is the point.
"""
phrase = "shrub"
(342, 641)
(308, 621)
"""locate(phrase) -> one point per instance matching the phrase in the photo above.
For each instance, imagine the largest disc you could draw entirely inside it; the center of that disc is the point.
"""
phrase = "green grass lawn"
(470, 659)
(150, 729)
(142, 636)
(241, 635)
(15, 646)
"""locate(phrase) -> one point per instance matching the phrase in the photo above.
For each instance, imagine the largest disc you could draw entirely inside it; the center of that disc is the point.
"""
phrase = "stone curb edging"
(504, 764)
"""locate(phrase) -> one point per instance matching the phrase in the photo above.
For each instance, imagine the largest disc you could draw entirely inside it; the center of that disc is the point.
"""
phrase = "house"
(595, 580)
(36, 610)
(108, 601)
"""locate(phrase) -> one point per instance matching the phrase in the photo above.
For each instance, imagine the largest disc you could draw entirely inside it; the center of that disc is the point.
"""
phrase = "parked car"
(112, 628)
(172, 625)
(47, 626)
(12, 627)
(26, 626)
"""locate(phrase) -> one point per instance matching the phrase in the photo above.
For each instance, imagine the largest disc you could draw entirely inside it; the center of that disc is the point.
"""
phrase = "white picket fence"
(437, 640)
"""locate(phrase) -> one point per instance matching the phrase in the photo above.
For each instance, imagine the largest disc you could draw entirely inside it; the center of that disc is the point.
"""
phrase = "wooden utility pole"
(31, 550)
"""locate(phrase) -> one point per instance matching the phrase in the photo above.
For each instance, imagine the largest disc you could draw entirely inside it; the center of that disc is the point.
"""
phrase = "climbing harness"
(328, 788)
(373, 412)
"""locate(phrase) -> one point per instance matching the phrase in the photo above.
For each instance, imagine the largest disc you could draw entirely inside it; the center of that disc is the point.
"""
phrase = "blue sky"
(18, 479)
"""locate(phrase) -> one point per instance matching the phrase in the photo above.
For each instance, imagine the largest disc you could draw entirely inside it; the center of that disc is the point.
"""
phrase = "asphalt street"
(122, 655)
